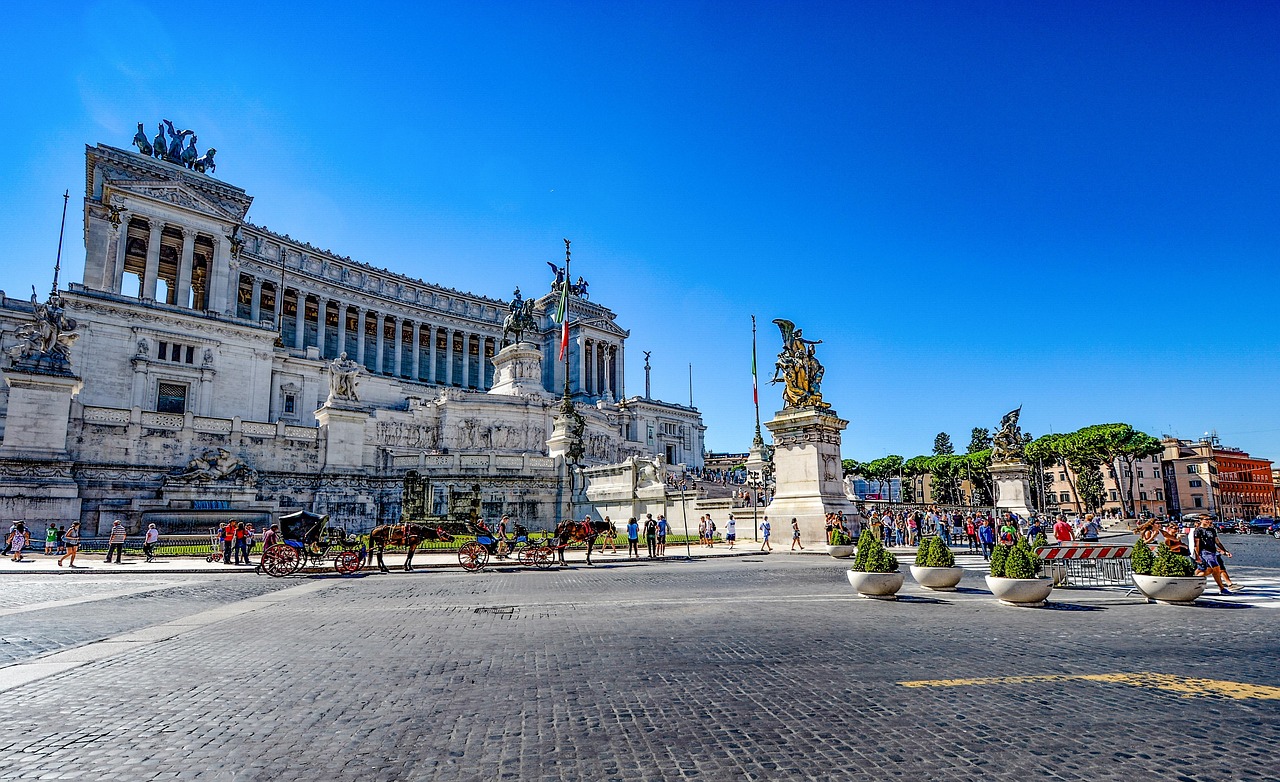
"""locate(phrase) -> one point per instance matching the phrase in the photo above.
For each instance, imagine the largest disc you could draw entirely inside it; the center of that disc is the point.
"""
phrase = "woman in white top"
(150, 541)
(18, 541)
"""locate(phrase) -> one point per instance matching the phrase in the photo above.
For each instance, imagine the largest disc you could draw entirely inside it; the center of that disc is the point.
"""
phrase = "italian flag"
(755, 391)
(562, 315)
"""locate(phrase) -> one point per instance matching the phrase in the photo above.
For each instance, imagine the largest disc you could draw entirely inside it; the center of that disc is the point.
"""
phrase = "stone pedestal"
(517, 371)
(1012, 482)
(807, 474)
(342, 426)
(36, 421)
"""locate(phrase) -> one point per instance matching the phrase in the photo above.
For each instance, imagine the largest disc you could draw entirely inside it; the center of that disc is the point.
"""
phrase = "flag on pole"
(562, 316)
(755, 391)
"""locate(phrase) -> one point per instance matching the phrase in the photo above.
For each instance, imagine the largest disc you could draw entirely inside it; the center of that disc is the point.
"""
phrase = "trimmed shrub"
(1170, 565)
(1142, 559)
(934, 553)
(999, 555)
(1040, 540)
(838, 537)
(1021, 563)
(872, 557)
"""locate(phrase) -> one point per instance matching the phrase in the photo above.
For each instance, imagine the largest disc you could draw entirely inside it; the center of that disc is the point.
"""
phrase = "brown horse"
(570, 531)
(409, 534)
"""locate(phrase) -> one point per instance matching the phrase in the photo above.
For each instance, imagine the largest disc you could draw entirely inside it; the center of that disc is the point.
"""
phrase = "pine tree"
(942, 444)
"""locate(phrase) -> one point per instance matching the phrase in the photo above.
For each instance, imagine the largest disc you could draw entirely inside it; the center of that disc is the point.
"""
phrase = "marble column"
(398, 350)
(221, 299)
(342, 328)
(277, 311)
(153, 260)
(122, 247)
(183, 296)
(431, 354)
(300, 321)
(582, 364)
(361, 327)
(255, 302)
(466, 359)
(448, 357)
(380, 343)
(416, 372)
(608, 372)
(322, 315)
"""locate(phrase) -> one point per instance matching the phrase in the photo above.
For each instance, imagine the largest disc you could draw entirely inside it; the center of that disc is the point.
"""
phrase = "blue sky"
(1070, 206)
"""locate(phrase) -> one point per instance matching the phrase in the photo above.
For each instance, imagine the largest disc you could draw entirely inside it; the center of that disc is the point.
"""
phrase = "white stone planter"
(939, 579)
(879, 586)
(1181, 591)
(841, 552)
(1022, 592)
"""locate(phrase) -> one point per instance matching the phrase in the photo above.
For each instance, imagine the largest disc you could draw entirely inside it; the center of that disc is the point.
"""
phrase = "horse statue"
(189, 154)
(205, 161)
(157, 144)
(140, 141)
(585, 531)
(520, 319)
(406, 534)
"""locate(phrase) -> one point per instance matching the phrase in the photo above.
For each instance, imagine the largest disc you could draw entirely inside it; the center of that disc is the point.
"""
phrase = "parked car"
(1262, 524)
(1227, 525)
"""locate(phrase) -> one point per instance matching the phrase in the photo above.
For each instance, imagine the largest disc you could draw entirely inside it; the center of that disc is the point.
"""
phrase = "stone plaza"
(753, 667)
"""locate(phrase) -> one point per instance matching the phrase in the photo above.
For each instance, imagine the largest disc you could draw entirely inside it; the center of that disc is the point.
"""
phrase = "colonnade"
(200, 285)
(384, 344)
(599, 371)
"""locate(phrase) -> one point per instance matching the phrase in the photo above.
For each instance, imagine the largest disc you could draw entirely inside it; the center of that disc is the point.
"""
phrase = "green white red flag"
(562, 313)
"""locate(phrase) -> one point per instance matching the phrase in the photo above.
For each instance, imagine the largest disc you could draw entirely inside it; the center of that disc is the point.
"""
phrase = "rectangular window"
(1062, 476)
(1113, 495)
(191, 354)
(1141, 474)
(1195, 484)
(1193, 468)
(171, 398)
(1065, 496)
(1159, 495)
(290, 401)
(1142, 495)
(1197, 501)
(163, 352)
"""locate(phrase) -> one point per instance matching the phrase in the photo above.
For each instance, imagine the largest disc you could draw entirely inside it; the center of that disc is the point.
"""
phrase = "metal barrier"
(1085, 565)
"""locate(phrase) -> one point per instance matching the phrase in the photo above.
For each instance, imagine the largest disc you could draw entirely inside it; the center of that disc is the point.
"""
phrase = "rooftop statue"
(1007, 444)
(140, 141)
(173, 150)
(344, 379)
(798, 368)
(45, 343)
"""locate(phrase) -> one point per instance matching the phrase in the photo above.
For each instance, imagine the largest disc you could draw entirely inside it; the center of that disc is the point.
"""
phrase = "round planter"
(1170, 591)
(841, 552)
(939, 579)
(879, 586)
(1022, 592)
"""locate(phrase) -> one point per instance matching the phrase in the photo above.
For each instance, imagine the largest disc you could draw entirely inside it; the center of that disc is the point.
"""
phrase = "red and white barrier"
(1083, 552)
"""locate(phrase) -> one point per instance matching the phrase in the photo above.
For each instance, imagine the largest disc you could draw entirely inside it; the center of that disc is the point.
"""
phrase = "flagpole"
(758, 441)
(565, 325)
(57, 263)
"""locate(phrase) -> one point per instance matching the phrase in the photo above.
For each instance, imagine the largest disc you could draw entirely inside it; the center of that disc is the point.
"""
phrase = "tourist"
(711, 532)
(663, 528)
(1034, 529)
(1008, 530)
(731, 531)
(269, 539)
(987, 537)
(633, 539)
(764, 532)
(115, 541)
(651, 535)
(702, 530)
(251, 539)
(227, 533)
(50, 539)
(71, 538)
(242, 544)
(18, 540)
(149, 542)
(795, 535)
(62, 540)
(1207, 548)
(610, 536)
(971, 534)
(1089, 532)
(1062, 531)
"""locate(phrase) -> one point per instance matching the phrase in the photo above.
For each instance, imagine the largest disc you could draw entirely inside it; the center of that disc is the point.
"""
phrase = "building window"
(1160, 496)
(1142, 495)
(1062, 476)
(1065, 497)
(1141, 474)
(290, 403)
(171, 398)
(1195, 484)
(1193, 468)
(1197, 501)
(1113, 495)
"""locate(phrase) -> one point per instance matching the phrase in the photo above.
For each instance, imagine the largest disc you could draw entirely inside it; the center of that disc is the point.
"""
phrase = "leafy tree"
(946, 471)
(914, 468)
(979, 439)
(1089, 481)
(942, 444)
(851, 466)
(1118, 446)
(884, 470)
(979, 475)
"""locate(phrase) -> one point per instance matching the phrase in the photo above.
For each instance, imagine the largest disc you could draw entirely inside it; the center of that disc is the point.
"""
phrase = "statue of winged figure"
(175, 142)
(1007, 445)
(798, 368)
(558, 271)
(45, 341)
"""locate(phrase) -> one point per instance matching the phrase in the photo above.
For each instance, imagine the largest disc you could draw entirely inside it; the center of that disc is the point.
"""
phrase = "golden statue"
(798, 368)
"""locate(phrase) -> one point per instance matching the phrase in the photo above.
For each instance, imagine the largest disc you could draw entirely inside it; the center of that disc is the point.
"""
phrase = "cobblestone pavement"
(747, 668)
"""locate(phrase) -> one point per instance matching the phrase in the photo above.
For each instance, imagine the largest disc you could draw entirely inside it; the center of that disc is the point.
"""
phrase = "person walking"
(731, 530)
(1062, 531)
(764, 533)
(610, 536)
(1207, 546)
(987, 538)
(971, 535)
(71, 539)
(711, 532)
(795, 535)
(18, 540)
(663, 529)
(1089, 532)
(702, 530)
(633, 539)
(115, 542)
(651, 535)
(149, 542)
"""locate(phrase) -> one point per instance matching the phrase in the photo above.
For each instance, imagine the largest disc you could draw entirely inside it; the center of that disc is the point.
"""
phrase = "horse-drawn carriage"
(308, 540)
(527, 550)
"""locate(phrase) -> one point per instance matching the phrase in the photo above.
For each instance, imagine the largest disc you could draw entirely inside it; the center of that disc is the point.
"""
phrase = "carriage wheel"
(524, 555)
(473, 556)
(347, 562)
(280, 560)
(544, 557)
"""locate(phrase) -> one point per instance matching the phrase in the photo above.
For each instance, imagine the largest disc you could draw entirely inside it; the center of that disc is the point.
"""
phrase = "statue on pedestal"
(1007, 445)
(45, 342)
(344, 378)
(520, 318)
(798, 368)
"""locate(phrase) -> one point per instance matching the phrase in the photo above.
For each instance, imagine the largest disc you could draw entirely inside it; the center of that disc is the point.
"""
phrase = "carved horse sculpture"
(205, 161)
(581, 531)
(409, 534)
(140, 141)
(519, 321)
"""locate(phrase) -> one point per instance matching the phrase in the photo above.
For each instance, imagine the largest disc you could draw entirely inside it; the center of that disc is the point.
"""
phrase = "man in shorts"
(731, 531)
(662, 535)
(1206, 549)
(764, 531)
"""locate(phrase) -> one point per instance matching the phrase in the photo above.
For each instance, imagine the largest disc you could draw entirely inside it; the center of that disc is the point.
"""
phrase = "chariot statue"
(1007, 445)
(798, 369)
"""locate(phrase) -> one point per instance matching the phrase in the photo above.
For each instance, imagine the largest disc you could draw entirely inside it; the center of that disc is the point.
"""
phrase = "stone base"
(342, 428)
(38, 492)
(39, 407)
(1012, 481)
(807, 474)
(517, 371)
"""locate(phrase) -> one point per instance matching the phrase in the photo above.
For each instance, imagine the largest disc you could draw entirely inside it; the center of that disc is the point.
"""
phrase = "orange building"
(1204, 476)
